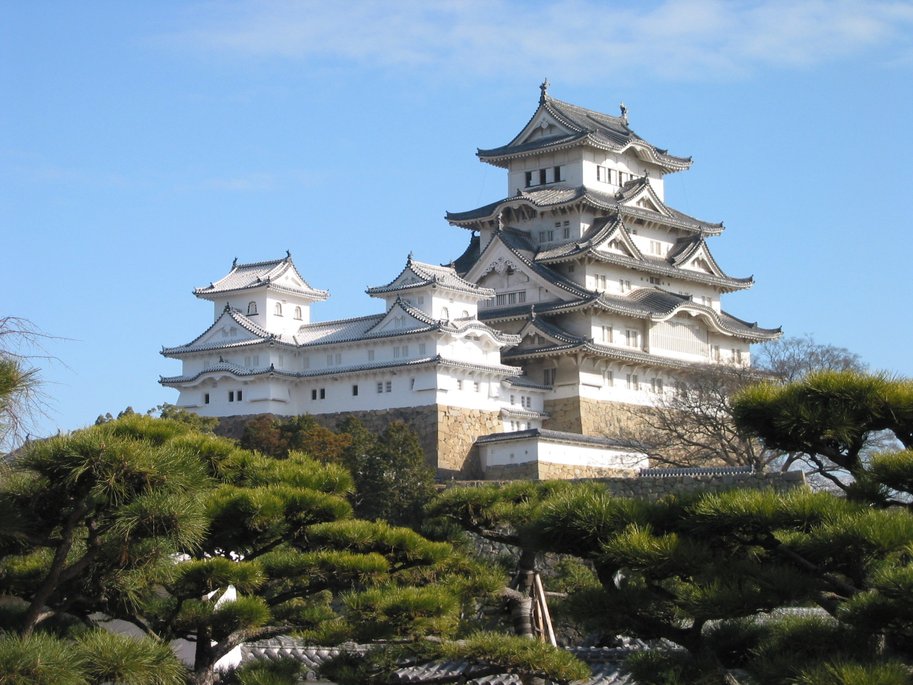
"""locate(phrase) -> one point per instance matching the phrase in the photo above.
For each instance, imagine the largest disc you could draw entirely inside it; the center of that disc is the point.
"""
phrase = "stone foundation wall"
(592, 417)
(526, 471)
(458, 428)
(564, 415)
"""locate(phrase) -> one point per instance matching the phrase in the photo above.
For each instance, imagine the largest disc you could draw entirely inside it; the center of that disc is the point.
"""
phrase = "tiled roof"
(584, 127)
(241, 372)
(470, 255)
(605, 663)
(541, 198)
(519, 244)
(424, 275)
(557, 195)
(642, 303)
(683, 249)
(258, 274)
(237, 317)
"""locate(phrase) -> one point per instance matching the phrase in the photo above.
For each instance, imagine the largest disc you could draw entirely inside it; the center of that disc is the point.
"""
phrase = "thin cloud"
(691, 39)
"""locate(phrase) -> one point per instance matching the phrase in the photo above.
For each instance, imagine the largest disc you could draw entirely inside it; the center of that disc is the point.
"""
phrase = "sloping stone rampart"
(591, 417)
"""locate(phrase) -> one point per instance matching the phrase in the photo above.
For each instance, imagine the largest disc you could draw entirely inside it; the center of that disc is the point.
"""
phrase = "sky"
(145, 145)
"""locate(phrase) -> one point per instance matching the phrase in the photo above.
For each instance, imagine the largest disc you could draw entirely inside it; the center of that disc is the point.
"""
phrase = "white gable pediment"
(225, 331)
(542, 125)
(618, 242)
(647, 199)
(397, 320)
(701, 262)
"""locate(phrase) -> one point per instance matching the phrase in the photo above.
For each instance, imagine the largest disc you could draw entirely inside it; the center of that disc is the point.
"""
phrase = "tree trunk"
(521, 608)
(49, 584)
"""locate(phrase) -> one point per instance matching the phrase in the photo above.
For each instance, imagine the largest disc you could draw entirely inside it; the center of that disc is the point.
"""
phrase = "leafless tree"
(22, 401)
(693, 425)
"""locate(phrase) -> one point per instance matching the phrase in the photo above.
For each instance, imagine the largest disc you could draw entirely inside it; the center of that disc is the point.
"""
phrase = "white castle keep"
(581, 294)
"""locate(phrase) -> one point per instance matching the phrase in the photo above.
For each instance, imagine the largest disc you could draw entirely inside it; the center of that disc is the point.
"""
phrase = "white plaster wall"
(532, 449)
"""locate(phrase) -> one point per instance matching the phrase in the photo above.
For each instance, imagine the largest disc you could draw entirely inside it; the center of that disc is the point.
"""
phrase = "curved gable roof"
(417, 275)
(280, 274)
(579, 126)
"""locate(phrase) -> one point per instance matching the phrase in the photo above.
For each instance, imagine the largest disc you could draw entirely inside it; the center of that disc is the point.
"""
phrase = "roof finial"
(409, 258)
(234, 262)
(500, 221)
(288, 254)
(624, 112)
(544, 88)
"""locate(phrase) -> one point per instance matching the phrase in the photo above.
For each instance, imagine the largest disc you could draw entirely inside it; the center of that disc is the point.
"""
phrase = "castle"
(581, 294)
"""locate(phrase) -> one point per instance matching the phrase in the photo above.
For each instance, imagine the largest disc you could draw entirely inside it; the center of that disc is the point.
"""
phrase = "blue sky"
(144, 145)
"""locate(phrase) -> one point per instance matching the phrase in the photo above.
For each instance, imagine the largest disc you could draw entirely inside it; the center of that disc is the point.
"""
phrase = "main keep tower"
(614, 294)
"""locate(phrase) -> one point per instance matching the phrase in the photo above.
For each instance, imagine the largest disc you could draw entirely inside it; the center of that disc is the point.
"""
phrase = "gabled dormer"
(436, 291)
(273, 294)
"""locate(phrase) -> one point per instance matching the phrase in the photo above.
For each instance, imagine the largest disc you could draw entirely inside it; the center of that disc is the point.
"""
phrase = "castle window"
(512, 399)
(251, 308)
(388, 386)
(205, 398)
(380, 386)
(323, 393)
(607, 334)
(314, 394)
(460, 384)
(231, 395)
(633, 382)
(655, 280)
(557, 172)
(278, 309)
(624, 285)
(445, 313)
(609, 378)
(239, 396)
(542, 180)
(476, 386)
(354, 390)
(529, 178)
(632, 338)
(656, 247)
(656, 385)
(548, 376)
(715, 352)
(298, 313)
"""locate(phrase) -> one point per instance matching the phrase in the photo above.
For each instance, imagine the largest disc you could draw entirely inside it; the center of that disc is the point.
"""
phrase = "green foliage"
(518, 655)
(672, 667)
(151, 521)
(201, 424)
(392, 480)
(827, 415)
(279, 672)
(39, 659)
(126, 660)
(841, 672)
(278, 437)
(402, 612)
